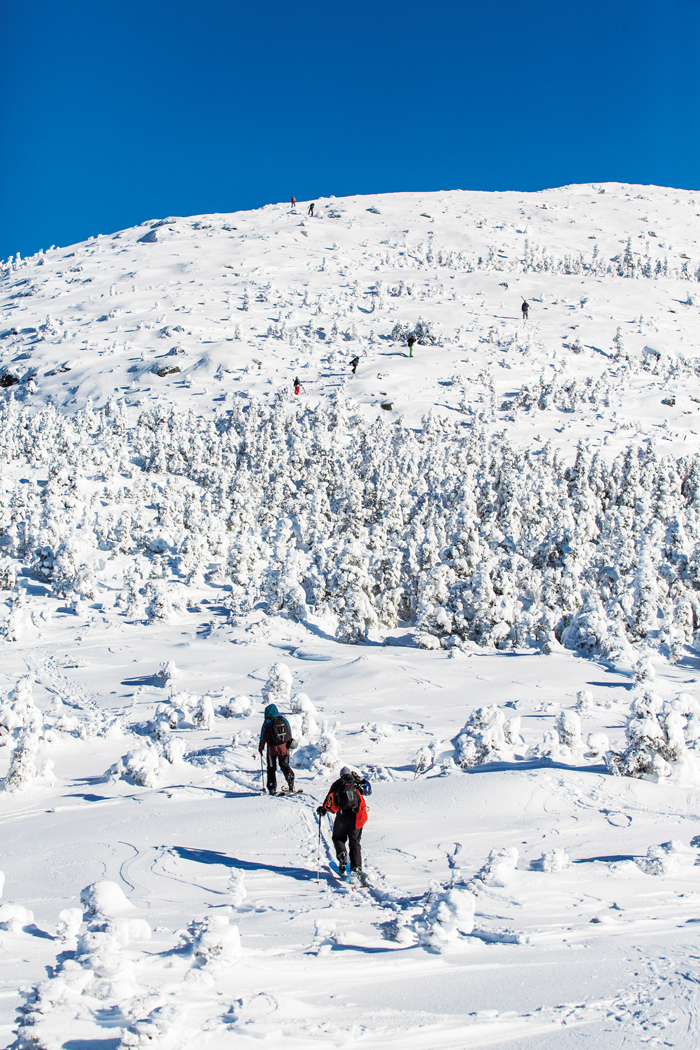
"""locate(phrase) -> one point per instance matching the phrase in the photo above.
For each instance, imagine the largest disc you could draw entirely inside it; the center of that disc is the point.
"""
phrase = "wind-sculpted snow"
(314, 511)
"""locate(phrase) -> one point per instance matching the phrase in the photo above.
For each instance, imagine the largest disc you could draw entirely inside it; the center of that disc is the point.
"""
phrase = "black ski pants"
(285, 768)
(344, 831)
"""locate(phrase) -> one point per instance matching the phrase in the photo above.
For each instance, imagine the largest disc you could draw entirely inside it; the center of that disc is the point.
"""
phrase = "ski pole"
(262, 775)
(318, 854)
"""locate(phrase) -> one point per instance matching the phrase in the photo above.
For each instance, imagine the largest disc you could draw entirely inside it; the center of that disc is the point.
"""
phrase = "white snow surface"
(532, 851)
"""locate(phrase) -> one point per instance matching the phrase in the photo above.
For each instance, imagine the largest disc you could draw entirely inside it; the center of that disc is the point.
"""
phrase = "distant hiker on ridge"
(346, 800)
(277, 734)
(411, 340)
(311, 209)
(297, 385)
(294, 203)
(525, 307)
(354, 363)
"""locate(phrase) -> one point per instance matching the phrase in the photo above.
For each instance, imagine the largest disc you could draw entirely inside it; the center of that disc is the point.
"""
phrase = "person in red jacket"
(346, 800)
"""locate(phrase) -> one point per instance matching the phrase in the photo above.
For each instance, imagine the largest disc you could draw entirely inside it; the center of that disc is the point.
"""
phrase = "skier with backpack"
(277, 735)
(346, 800)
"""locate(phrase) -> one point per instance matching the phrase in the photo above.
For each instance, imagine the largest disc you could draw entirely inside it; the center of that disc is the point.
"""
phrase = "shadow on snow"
(209, 856)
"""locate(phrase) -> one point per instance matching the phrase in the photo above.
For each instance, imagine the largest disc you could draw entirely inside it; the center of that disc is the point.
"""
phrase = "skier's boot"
(342, 863)
(356, 877)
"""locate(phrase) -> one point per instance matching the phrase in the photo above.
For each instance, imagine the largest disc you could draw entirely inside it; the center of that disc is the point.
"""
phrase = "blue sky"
(116, 111)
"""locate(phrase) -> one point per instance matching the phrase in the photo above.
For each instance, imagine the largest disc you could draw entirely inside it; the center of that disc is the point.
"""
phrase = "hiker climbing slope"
(346, 800)
(277, 735)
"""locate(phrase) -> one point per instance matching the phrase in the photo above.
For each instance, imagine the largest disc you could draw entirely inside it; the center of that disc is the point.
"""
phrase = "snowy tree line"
(299, 509)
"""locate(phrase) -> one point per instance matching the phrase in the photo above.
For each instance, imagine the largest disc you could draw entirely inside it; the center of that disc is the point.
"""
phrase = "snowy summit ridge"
(194, 311)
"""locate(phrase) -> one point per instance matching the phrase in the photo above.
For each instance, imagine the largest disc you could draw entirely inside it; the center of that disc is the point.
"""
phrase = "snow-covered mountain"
(470, 571)
(241, 304)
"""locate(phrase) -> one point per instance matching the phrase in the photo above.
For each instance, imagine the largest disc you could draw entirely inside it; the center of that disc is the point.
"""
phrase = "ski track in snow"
(600, 951)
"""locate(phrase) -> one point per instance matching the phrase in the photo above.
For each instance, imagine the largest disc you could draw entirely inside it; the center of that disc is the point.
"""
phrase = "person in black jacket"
(277, 751)
(346, 798)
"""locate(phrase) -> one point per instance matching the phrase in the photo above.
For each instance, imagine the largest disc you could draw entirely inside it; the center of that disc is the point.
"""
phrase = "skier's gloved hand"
(320, 810)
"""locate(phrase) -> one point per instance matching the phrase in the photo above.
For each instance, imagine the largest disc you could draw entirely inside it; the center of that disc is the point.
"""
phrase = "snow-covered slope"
(515, 545)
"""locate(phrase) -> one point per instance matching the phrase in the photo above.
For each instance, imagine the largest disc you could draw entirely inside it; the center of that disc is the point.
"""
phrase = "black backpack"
(347, 795)
(281, 733)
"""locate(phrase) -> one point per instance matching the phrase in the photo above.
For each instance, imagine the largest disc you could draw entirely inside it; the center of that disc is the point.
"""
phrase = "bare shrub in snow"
(321, 755)
(426, 757)
(301, 704)
(237, 706)
(278, 687)
(164, 600)
(213, 941)
(488, 737)
(585, 704)
(554, 860)
(203, 716)
(167, 671)
(569, 730)
(97, 968)
(13, 917)
(644, 670)
(499, 870)
(146, 763)
(22, 772)
(665, 859)
(166, 718)
(174, 750)
(68, 925)
(19, 712)
(423, 331)
(447, 915)
(598, 745)
(661, 737)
